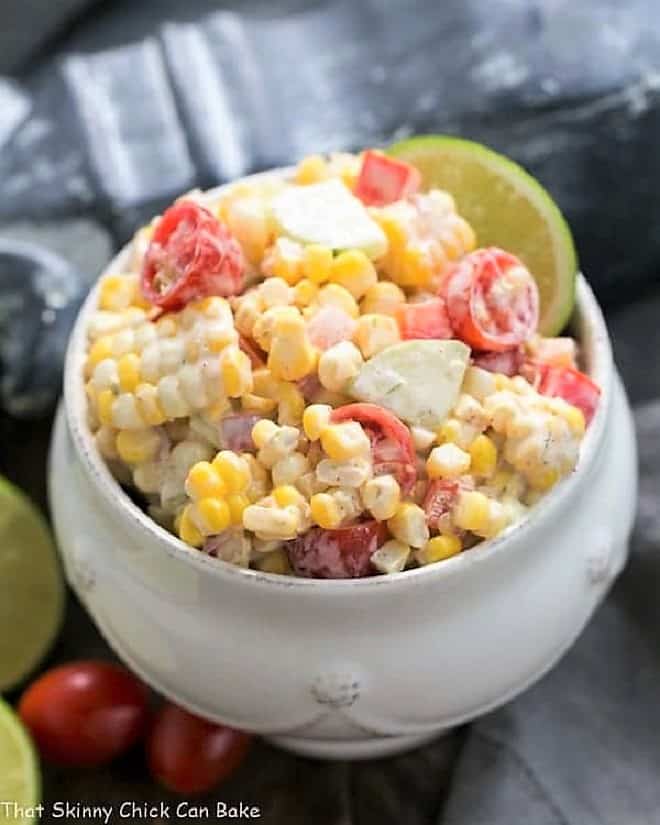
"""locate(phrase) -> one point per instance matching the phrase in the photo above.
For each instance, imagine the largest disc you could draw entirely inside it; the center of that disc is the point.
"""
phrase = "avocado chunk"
(327, 213)
(419, 381)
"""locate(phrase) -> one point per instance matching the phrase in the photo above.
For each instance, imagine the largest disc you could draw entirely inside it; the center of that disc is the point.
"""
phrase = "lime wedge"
(31, 587)
(506, 207)
(20, 782)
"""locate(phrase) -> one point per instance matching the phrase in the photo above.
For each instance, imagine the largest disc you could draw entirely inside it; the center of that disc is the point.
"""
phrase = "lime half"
(20, 782)
(506, 207)
(31, 587)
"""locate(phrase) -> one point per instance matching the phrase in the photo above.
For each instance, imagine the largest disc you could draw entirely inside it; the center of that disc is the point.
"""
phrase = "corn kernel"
(290, 469)
(128, 369)
(316, 263)
(344, 441)
(99, 351)
(575, 419)
(422, 438)
(104, 402)
(354, 271)
(305, 293)
(284, 260)
(381, 496)
(339, 296)
(283, 442)
(146, 398)
(291, 406)
(258, 404)
(291, 355)
(447, 461)
(276, 561)
(325, 511)
(478, 383)
(187, 529)
(233, 469)
(483, 454)
(115, 292)
(275, 292)
(351, 473)
(287, 495)
(311, 169)
(237, 502)
(408, 525)
(204, 481)
(211, 515)
(338, 365)
(375, 333)
(439, 548)
(315, 418)
(263, 431)
(382, 298)
(472, 511)
(236, 373)
(272, 522)
(391, 557)
(544, 478)
(137, 446)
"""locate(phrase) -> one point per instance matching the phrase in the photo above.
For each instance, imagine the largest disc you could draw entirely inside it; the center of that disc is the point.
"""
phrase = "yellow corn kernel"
(237, 502)
(204, 481)
(236, 372)
(292, 405)
(325, 511)
(104, 402)
(440, 548)
(544, 478)
(212, 515)
(472, 511)
(219, 337)
(311, 169)
(128, 369)
(258, 404)
(449, 432)
(146, 398)
(266, 384)
(344, 441)
(502, 382)
(234, 470)
(246, 313)
(382, 496)
(167, 326)
(408, 525)
(263, 431)
(354, 271)
(262, 332)
(305, 293)
(382, 298)
(316, 263)
(115, 292)
(447, 461)
(291, 355)
(286, 495)
(137, 446)
(276, 561)
(500, 480)
(483, 453)
(315, 419)
(574, 417)
(259, 485)
(417, 269)
(100, 350)
(339, 296)
(187, 529)
(375, 333)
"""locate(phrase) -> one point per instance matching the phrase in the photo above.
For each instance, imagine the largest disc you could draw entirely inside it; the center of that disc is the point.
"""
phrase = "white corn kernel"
(125, 415)
(392, 557)
(289, 469)
(352, 473)
(272, 522)
(338, 365)
(479, 383)
(171, 400)
(279, 445)
(409, 525)
(105, 376)
(422, 438)
(447, 461)
(381, 496)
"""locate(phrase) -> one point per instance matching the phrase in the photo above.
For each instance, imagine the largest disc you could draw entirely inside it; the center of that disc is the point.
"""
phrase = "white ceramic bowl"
(348, 668)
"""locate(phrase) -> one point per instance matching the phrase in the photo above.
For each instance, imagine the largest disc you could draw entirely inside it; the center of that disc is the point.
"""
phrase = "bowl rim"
(587, 320)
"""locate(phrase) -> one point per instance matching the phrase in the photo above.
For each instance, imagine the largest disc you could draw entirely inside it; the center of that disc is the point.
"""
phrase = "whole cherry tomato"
(344, 553)
(190, 755)
(427, 319)
(392, 446)
(85, 713)
(492, 300)
(191, 255)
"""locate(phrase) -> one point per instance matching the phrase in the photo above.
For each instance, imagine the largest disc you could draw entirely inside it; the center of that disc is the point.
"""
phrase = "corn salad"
(309, 376)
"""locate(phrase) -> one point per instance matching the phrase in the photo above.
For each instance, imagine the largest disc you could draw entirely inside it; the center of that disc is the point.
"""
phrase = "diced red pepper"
(384, 180)
(427, 319)
(571, 385)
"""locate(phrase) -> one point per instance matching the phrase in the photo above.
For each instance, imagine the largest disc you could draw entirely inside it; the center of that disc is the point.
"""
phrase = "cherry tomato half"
(344, 553)
(392, 446)
(383, 180)
(492, 300)
(441, 495)
(191, 255)
(571, 385)
(85, 713)
(506, 363)
(188, 754)
(427, 319)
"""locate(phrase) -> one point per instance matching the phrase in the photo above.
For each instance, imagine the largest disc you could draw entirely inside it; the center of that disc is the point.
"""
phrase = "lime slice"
(506, 207)
(20, 781)
(31, 587)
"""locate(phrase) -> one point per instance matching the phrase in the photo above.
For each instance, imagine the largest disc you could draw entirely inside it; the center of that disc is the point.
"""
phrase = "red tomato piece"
(441, 495)
(344, 553)
(392, 446)
(492, 300)
(427, 319)
(256, 355)
(506, 363)
(571, 385)
(190, 755)
(191, 255)
(85, 713)
(383, 180)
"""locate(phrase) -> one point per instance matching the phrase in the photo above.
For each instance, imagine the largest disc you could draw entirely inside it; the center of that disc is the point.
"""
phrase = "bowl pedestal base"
(353, 749)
